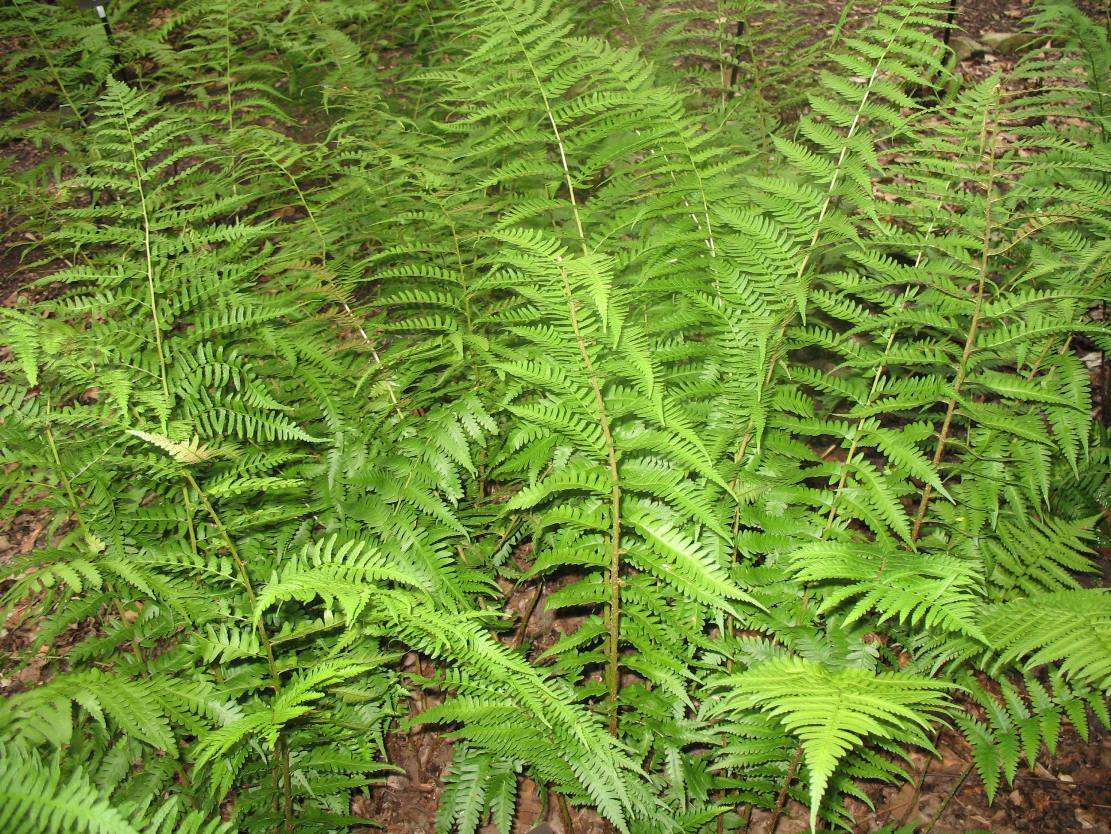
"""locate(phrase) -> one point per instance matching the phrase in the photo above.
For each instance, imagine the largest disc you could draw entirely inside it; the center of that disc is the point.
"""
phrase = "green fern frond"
(1068, 628)
(832, 713)
(35, 796)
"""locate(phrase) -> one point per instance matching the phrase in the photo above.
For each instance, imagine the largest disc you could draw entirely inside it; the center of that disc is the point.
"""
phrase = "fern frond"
(833, 712)
(1068, 628)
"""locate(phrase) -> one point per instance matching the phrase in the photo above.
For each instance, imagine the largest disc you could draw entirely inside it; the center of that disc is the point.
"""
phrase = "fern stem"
(324, 263)
(71, 497)
(918, 784)
(734, 71)
(189, 520)
(565, 814)
(281, 746)
(282, 749)
(244, 575)
(227, 65)
(950, 17)
(1098, 276)
(63, 477)
(519, 637)
(970, 339)
(614, 606)
(476, 367)
(839, 166)
(835, 178)
(554, 126)
(846, 466)
(784, 792)
(750, 811)
(750, 429)
(724, 85)
(613, 617)
(50, 64)
(150, 268)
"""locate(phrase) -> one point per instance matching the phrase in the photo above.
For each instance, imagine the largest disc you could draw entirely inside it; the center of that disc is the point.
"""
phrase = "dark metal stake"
(949, 20)
(101, 9)
(736, 59)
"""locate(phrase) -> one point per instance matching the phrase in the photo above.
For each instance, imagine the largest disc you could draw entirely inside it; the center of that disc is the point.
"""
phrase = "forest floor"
(1069, 791)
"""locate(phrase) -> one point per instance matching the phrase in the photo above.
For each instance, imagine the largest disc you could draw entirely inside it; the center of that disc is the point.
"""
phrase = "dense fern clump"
(348, 316)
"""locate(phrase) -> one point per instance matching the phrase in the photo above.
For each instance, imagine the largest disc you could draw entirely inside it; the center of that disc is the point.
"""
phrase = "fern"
(831, 712)
(764, 370)
(1067, 627)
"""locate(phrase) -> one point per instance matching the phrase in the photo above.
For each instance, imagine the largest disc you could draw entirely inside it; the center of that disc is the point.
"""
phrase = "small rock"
(1086, 818)
(1008, 43)
(965, 48)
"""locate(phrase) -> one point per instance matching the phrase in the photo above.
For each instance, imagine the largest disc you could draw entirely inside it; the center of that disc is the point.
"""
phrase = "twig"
(735, 70)
(917, 788)
(519, 637)
(781, 800)
(948, 799)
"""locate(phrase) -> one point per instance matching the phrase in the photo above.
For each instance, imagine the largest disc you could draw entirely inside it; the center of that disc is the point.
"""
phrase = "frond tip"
(832, 712)
(189, 452)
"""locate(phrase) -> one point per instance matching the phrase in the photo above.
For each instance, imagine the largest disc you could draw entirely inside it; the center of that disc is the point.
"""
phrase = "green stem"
(613, 614)
(74, 506)
(815, 237)
(281, 746)
(970, 339)
(139, 172)
(324, 262)
(50, 65)
(189, 520)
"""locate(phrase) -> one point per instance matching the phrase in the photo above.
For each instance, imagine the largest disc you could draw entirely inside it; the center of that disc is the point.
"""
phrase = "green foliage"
(832, 712)
(766, 370)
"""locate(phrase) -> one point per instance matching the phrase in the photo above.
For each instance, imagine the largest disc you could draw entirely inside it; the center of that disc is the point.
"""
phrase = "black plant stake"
(101, 7)
(949, 18)
(736, 59)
